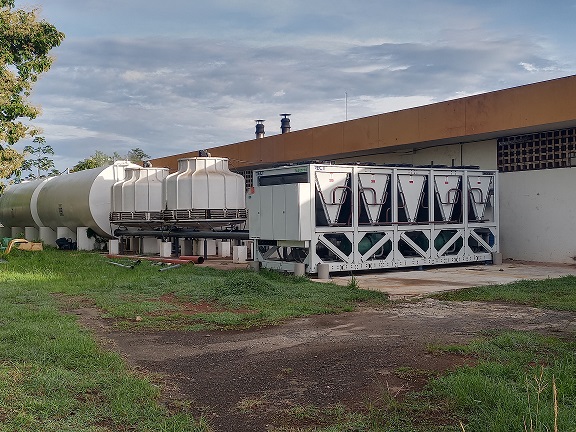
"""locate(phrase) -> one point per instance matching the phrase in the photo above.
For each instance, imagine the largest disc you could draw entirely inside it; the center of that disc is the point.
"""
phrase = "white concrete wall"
(538, 215)
(481, 153)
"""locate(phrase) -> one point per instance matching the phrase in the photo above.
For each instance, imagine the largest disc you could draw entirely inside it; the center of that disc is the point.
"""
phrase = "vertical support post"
(114, 247)
(166, 249)
(299, 269)
(48, 236)
(323, 271)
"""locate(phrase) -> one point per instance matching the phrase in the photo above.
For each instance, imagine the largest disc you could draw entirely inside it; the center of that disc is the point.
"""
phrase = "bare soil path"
(247, 380)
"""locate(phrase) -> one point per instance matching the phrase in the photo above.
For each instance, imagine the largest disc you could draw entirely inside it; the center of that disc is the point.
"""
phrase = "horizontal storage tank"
(81, 199)
(205, 183)
(17, 204)
(140, 191)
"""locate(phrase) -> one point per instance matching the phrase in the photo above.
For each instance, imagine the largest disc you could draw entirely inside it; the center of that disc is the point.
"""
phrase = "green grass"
(55, 377)
(241, 298)
(558, 294)
(513, 384)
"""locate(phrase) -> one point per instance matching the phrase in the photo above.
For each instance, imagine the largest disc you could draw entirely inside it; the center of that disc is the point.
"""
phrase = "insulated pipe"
(235, 235)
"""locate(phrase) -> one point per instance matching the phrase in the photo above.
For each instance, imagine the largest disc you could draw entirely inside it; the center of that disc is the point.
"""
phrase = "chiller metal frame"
(362, 217)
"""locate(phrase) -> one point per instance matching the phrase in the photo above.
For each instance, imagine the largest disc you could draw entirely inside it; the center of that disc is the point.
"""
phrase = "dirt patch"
(251, 380)
(192, 308)
(187, 308)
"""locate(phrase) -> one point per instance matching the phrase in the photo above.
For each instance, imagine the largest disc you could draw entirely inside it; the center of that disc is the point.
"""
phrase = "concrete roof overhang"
(526, 109)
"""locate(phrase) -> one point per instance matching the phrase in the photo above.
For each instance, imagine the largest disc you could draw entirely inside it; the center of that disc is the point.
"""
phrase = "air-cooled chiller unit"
(361, 217)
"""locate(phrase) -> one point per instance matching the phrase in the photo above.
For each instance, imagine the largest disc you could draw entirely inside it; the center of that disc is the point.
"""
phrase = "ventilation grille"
(543, 150)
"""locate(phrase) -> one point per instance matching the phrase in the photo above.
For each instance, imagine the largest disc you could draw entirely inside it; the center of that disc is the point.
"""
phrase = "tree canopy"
(99, 158)
(37, 161)
(25, 43)
(137, 155)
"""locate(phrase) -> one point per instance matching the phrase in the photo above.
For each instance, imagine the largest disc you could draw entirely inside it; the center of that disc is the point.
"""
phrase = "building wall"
(538, 215)
(481, 153)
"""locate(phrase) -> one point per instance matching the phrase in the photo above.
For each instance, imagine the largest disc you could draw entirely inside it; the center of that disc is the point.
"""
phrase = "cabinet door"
(278, 213)
(253, 206)
(298, 212)
(266, 227)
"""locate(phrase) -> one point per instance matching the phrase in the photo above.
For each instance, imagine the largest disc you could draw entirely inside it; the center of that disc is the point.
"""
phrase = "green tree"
(98, 159)
(37, 160)
(137, 155)
(25, 42)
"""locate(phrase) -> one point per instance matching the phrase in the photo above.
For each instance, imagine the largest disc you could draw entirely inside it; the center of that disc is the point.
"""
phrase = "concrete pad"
(402, 284)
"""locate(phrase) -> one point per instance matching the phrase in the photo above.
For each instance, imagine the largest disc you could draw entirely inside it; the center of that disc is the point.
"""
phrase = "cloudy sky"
(181, 75)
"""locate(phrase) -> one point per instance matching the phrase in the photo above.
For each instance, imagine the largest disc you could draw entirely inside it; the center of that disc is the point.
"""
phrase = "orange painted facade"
(534, 107)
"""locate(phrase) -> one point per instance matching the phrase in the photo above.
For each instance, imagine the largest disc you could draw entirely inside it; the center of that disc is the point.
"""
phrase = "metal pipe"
(157, 259)
(236, 235)
(121, 265)
(170, 267)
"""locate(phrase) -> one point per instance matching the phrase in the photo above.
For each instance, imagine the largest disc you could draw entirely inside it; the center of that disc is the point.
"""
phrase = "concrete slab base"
(402, 284)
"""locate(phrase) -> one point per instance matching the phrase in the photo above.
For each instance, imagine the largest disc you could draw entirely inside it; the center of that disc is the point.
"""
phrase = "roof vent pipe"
(259, 128)
(285, 122)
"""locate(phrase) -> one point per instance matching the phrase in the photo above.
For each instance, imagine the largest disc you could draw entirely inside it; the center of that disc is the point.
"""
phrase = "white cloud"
(132, 75)
(196, 74)
(529, 67)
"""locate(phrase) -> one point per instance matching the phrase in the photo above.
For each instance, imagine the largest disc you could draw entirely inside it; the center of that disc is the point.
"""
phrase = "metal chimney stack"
(259, 128)
(285, 123)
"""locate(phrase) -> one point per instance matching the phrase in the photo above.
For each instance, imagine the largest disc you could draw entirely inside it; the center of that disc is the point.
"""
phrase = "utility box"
(360, 217)
(281, 212)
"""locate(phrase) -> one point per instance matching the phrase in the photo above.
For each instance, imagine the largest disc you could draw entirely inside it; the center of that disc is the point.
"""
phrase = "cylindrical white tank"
(142, 190)
(17, 204)
(204, 183)
(81, 199)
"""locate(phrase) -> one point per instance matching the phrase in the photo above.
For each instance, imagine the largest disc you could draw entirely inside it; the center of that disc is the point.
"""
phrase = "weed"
(243, 298)
(515, 384)
(250, 404)
(536, 387)
(406, 372)
(353, 283)
(304, 412)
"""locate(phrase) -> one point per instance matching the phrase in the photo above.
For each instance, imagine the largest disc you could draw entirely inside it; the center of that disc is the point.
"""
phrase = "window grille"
(248, 177)
(536, 151)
